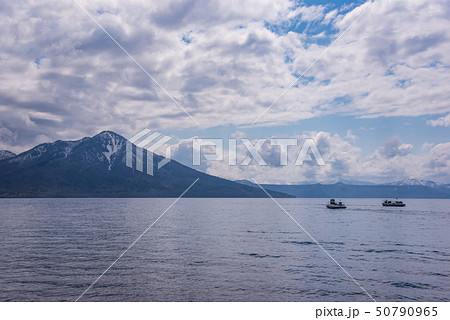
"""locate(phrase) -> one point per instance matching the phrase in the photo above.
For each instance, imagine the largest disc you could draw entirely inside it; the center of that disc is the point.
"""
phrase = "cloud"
(442, 121)
(350, 136)
(54, 59)
(337, 152)
(343, 161)
(395, 148)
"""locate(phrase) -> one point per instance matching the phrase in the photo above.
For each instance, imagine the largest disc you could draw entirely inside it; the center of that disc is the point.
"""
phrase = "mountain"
(5, 154)
(340, 190)
(409, 188)
(415, 182)
(95, 167)
(351, 182)
(357, 182)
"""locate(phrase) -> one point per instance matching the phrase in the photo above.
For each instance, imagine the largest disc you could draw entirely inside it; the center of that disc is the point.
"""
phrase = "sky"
(375, 95)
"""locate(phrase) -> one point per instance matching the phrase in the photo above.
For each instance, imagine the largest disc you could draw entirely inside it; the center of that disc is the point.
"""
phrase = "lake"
(223, 250)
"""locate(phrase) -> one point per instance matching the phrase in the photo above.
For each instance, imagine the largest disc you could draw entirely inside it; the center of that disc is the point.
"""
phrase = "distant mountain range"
(95, 167)
(410, 188)
(416, 182)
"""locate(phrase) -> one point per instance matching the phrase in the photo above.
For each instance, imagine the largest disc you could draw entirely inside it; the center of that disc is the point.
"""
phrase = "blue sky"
(377, 101)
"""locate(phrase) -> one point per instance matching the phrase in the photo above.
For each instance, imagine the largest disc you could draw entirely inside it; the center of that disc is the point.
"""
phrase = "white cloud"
(350, 136)
(311, 13)
(431, 164)
(395, 148)
(442, 121)
(343, 161)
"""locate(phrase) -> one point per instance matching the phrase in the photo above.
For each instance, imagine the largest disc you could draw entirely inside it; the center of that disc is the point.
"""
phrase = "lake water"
(223, 250)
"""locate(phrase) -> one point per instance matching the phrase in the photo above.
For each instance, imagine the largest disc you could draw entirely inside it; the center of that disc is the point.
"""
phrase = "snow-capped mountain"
(58, 149)
(5, 154)
(415, 182)
(102, 148)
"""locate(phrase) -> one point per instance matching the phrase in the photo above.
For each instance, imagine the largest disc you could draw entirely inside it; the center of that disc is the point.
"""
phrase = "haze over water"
(223, 250)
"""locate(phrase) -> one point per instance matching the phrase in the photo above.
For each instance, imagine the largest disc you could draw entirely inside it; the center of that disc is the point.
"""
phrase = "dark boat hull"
(393, 205)
(329, 206)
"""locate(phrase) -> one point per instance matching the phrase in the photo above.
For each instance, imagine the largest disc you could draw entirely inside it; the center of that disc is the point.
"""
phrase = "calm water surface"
(223, 250)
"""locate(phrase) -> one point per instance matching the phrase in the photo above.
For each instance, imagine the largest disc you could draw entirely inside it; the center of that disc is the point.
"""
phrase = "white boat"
(395, 203)
(335, 205)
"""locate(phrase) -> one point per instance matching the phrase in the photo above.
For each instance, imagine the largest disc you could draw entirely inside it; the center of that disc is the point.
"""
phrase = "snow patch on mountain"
(5, 154)
(60, 149)
(69, 145)
(114, 144)
(31, 154)
(415, 182)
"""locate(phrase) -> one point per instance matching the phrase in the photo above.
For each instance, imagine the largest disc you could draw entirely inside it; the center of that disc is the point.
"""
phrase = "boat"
(335, 205)
(396, 203)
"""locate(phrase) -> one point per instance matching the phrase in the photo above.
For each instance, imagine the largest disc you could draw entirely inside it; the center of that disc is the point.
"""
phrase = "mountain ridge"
(5, 154)
(415, 182)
